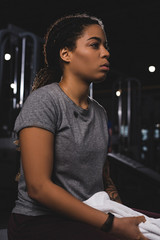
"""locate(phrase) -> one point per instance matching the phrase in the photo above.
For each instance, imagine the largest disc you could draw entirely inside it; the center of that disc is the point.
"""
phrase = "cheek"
(84, 59)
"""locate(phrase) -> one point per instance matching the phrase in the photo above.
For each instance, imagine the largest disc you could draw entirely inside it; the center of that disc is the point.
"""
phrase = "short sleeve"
(39, 110)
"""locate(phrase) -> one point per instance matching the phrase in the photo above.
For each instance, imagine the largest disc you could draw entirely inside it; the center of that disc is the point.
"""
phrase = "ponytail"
(45, 76)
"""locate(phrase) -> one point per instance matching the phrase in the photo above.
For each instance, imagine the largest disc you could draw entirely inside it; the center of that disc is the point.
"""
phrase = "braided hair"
(63, 33)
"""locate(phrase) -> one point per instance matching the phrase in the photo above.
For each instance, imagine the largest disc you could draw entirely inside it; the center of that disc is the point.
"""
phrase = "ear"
(65, 54)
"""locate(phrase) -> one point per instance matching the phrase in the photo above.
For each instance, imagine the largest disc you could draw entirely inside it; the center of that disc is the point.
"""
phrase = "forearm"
(112, 191)
(109, 186)
(59, 200)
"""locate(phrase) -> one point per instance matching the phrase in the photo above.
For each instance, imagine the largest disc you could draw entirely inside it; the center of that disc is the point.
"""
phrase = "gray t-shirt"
(81, 139)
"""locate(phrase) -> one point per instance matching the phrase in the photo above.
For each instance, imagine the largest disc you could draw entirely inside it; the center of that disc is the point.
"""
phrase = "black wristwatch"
(108, 223)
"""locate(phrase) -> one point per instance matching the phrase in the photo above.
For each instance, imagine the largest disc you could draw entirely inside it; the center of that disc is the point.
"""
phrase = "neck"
(76, 90)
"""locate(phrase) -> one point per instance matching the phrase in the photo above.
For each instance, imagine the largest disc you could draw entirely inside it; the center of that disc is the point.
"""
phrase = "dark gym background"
(130, 94)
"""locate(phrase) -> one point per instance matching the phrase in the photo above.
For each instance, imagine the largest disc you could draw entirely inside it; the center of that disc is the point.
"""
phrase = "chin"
(99, 80)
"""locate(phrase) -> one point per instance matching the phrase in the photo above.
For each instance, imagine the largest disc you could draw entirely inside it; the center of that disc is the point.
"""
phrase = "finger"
(140, 219)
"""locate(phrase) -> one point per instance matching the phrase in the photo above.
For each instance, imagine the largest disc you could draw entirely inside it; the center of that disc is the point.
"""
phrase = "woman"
(63, 142)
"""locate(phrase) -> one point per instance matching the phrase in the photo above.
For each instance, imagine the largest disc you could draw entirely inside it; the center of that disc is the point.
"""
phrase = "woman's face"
(89, 60)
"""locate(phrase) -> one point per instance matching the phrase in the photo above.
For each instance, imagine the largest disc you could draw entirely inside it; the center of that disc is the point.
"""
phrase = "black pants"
(23, 227)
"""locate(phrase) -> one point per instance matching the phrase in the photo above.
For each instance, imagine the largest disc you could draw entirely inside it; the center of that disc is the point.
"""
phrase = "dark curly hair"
(63, 33)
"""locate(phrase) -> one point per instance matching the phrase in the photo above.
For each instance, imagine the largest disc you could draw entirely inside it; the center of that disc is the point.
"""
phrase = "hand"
(127, 228)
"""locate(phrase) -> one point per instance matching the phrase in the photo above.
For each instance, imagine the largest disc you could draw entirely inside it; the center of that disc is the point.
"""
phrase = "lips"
(105, 64)
(105, 67)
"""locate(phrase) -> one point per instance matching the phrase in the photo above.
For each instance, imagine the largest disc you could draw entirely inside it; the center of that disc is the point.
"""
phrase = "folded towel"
(102, 202)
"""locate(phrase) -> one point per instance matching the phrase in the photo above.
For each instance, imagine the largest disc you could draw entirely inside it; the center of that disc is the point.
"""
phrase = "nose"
(105, 53)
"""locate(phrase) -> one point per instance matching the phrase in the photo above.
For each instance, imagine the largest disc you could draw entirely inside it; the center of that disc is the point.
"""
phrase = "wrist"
(108, 224)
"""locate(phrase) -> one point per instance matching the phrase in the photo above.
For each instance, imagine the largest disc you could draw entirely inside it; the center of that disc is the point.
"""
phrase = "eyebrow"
(96, 38)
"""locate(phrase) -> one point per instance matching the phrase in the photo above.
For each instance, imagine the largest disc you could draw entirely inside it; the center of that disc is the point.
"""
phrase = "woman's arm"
(110, 188)
(38, 162)
(37, 159)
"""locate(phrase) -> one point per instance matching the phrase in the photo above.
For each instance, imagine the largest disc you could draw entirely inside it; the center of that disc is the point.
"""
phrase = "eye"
(95, 45)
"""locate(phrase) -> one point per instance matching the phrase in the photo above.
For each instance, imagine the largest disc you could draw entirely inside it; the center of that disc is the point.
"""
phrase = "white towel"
(102, 202)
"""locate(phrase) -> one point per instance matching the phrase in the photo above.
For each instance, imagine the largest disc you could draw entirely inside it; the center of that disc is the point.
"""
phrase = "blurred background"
(130, 94)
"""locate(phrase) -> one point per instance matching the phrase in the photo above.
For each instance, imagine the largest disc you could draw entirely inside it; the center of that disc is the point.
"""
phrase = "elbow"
(39, 191)
(34, 191)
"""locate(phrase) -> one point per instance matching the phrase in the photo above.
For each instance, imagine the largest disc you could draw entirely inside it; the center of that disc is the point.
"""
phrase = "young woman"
(63, 142)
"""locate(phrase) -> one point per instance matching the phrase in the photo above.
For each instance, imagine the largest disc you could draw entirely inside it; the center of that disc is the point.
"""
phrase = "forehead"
(93, 31)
